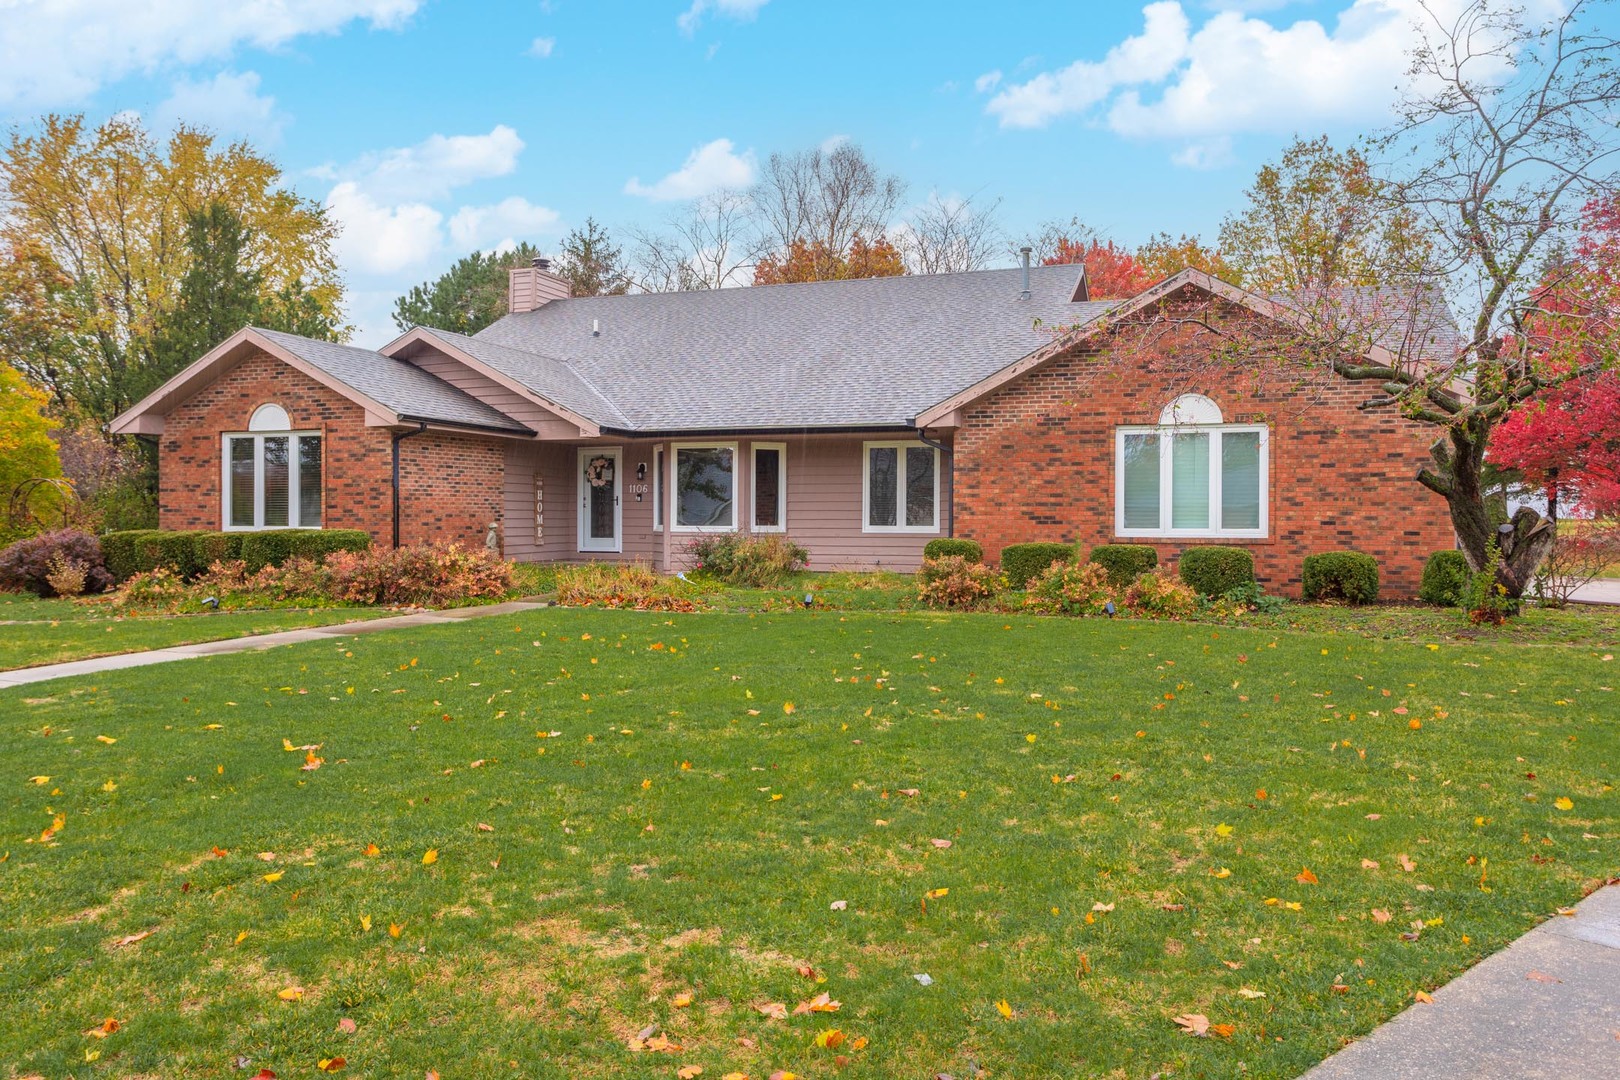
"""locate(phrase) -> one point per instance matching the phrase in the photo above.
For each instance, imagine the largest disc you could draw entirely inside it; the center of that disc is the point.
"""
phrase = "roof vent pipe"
(542, 263)
(1024, 251)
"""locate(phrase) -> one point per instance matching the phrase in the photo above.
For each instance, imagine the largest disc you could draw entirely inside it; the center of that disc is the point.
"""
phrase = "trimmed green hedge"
(1214, 570)
(1445, 579)
(1022, 562)
(118, 552)
(189, 553)
(1124, 562)
(1351, 576)
(944, 547)
(276, 546)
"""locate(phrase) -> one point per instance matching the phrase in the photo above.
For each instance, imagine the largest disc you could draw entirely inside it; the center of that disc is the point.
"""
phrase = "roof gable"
(390, 391)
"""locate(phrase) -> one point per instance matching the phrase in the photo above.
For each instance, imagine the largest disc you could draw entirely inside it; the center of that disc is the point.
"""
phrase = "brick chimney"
(531, 287)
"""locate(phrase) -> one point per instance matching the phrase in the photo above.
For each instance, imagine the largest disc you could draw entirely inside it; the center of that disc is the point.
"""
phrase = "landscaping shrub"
(1072, 589)
(118, 549)
(208, 548)
(1579, 554)
(955, 582)
(67, 577)
(1124, 562)
(1487, 601)
(621, 585)
(1445, 579)
(1245, 599)
(176, 551)
(432, 574)
(756, 561)
(1021, 562)
(29, 563)
(1351, 576)
(1214, 570)
(1160, 596)
(276, 546)
(192, 551)
(971, 550)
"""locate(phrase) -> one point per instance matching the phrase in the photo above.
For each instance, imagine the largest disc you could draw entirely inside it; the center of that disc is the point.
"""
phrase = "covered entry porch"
(867, 500)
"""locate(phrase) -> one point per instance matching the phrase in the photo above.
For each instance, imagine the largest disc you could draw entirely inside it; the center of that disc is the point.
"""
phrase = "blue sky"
(432, 128)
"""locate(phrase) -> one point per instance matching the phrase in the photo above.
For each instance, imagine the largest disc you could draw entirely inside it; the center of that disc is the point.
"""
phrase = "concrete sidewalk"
(24, 676)
(1601, 591)
(1545, 1008)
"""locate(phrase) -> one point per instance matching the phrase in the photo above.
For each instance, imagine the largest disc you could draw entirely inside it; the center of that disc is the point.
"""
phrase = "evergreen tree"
(592, 263)
(467, 297)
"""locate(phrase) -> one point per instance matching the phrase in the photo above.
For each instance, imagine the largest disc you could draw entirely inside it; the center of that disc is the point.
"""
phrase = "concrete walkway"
(24, 676)
(1545, 1008)
(1601, 591)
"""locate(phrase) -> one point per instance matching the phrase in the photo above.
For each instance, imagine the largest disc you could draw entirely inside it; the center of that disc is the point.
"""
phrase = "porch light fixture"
(641, 471)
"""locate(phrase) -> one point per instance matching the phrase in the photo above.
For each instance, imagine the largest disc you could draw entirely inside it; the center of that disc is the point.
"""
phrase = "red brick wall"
(1035, 461)
(450, 487)
(450, 484)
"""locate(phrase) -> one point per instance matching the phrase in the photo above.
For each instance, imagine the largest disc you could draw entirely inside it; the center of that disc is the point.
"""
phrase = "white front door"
(601, 517)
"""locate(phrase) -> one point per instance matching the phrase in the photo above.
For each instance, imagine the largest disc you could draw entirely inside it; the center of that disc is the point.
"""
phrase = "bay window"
(900, 488)
(1191, 475)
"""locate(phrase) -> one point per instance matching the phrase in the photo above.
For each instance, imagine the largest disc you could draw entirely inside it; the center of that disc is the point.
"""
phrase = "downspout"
(950, 471)
(400, 437)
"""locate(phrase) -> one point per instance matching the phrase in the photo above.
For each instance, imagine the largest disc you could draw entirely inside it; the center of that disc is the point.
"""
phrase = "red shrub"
(28, 563)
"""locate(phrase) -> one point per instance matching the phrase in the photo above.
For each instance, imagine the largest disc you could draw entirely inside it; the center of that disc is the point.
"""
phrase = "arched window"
(269, 417)
(271, 478)
(1191, 409)
(1191, 475)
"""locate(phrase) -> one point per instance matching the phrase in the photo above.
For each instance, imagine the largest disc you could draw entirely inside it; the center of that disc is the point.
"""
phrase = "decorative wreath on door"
(599, 472)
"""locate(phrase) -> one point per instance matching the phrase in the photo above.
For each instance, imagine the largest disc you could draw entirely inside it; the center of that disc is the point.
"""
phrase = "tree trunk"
(1524, 541)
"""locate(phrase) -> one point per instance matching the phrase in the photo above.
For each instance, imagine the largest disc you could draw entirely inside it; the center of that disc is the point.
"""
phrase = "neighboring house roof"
(869, 353)
(410, 392)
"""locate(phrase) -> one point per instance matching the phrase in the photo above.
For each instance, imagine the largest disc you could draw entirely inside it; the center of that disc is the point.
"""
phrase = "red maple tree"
(1112, 273)
(1566, 439)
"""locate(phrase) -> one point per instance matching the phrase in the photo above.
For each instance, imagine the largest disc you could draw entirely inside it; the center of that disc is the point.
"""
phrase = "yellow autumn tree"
(93, 246)
(26, 447)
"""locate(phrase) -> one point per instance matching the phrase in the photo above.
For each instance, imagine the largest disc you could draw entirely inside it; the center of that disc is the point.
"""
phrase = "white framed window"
(658, 488)
(768, 485)
(899, 487)
(1192, 475)
(271, 480)
(705, 490)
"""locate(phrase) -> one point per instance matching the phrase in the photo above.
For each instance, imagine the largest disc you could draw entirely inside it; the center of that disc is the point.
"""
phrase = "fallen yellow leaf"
(1004, 1009)
(430, 857)
(291, 993)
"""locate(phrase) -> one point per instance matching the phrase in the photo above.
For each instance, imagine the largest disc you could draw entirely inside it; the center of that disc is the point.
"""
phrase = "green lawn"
(718, 781)
(34, 632)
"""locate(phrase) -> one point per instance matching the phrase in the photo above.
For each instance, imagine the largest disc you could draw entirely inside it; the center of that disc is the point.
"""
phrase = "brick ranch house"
(863, 418)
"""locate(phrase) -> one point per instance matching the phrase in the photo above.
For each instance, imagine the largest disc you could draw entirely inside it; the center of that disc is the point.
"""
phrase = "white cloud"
(741, 10)
(499, 225)
(542, 46)
(833, 142)
(54, 52)
(1213, 153)
(228, 104)
(385, 203)
(382, 239)
(433, 167)
(1148, 57)
(1234, 74)
(988, 81)
(709, 168)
